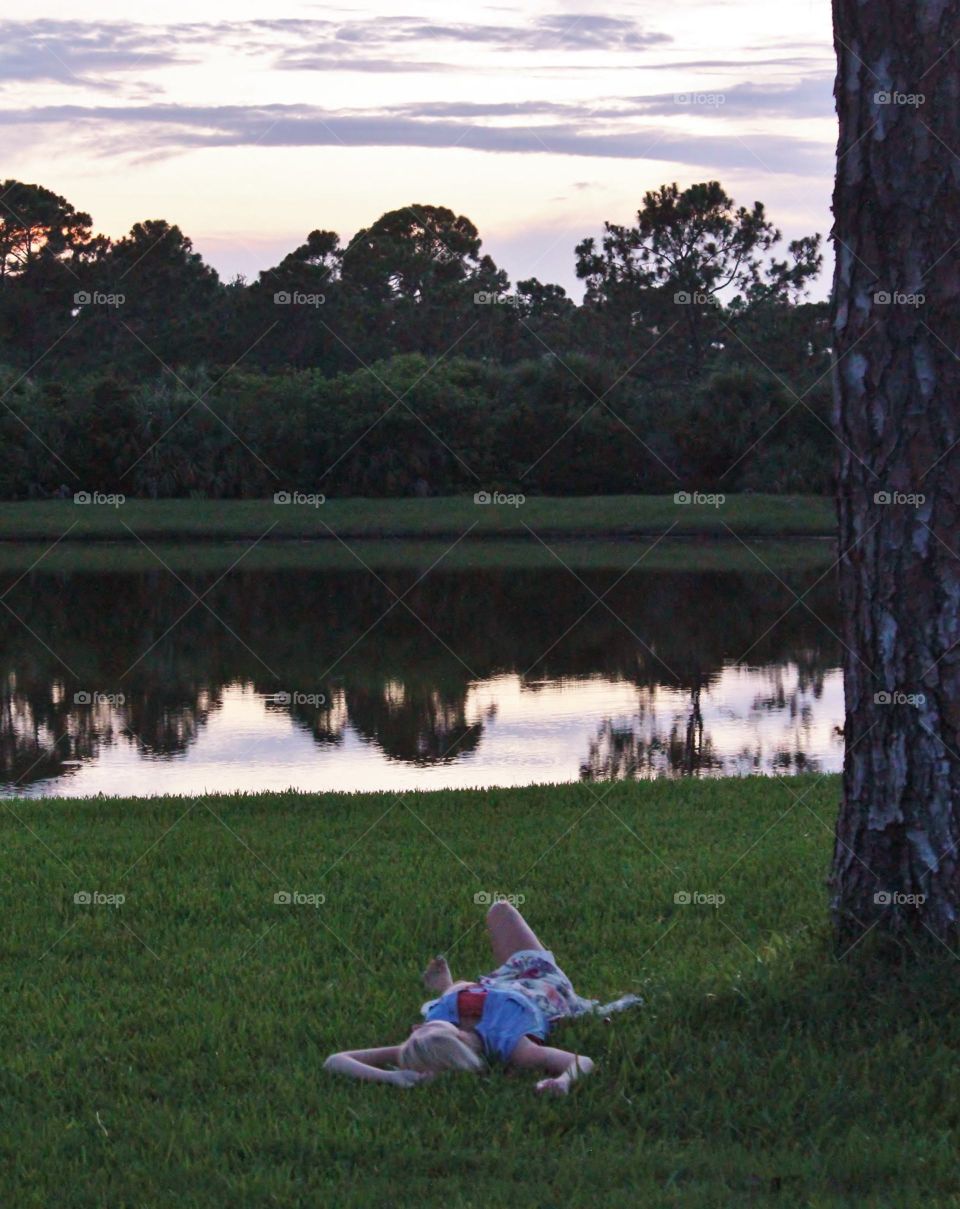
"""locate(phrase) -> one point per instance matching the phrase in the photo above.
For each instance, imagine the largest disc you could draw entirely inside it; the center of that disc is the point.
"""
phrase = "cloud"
(109, 55)
(472, 109)
(78, 52)
(811, 97)
(586, 31)
(183, 128)
(574, 31)
(83, 52)
(740, 66)
(322, 62)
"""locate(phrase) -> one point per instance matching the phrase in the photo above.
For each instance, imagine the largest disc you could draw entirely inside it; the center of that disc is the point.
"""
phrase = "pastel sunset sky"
(251, 124)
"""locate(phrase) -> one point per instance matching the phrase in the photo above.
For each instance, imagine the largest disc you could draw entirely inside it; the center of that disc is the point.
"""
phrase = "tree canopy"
(688, 331)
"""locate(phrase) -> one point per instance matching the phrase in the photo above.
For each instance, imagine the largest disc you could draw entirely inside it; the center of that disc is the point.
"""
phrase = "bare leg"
(509, 932)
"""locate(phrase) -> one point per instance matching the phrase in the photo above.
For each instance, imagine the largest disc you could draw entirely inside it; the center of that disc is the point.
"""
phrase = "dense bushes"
(405, 361)
(408, 426)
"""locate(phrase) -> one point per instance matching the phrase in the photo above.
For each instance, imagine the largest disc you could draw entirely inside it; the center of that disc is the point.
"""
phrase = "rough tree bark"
(897, 391)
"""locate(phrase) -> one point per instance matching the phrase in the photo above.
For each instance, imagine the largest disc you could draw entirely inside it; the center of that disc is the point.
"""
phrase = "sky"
(250, 125)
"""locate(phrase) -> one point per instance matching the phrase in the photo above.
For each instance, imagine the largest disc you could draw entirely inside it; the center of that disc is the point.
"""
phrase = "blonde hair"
(436, 1050)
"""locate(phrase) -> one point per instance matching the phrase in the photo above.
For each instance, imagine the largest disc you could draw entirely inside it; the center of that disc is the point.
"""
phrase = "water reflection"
(747, 720)
(332, 679)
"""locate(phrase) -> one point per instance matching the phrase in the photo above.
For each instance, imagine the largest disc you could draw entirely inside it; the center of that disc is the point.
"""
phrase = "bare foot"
(437, 977)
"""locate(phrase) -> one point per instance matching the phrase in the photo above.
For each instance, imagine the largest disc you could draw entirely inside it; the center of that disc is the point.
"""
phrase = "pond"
(189, 670)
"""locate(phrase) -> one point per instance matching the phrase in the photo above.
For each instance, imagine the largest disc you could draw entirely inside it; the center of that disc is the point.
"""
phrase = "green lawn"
(746, 515)
(168, 1051)
(647, 554)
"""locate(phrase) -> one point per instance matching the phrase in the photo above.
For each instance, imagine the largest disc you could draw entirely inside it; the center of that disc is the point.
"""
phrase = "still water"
(148, 680)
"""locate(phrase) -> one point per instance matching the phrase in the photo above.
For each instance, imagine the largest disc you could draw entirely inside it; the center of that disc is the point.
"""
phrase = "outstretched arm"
(369, 1064)
(563, 1067)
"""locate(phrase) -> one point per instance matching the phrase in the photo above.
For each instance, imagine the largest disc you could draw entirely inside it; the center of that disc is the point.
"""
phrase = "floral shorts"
(535, 973)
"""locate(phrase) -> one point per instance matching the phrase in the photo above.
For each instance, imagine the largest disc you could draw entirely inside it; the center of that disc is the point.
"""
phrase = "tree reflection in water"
(399, 678)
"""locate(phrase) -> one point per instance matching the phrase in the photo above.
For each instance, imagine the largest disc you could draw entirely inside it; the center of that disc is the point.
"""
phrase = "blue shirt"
(508, 1016)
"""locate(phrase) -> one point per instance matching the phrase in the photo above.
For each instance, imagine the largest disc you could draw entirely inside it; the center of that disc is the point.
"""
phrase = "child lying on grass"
(504, 1017)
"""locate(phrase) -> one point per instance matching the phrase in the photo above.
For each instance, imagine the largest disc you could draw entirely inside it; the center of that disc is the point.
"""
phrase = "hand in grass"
(410, 1078)
(558, 1086)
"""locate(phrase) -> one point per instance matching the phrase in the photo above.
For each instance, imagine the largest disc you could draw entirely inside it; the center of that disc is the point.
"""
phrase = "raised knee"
(500, 910)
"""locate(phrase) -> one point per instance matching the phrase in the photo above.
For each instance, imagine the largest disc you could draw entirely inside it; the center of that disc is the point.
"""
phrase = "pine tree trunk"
(897, 388)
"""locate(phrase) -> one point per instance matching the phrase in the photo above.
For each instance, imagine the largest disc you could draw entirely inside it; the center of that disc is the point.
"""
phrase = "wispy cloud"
(184, 127)
(811, 97)
(808, 97)
(524, 87)
(77, 51)
(80, 52)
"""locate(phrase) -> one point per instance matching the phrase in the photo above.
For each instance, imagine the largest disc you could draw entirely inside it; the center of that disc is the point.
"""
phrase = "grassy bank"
(168, 1050)
(597, 516)
(644, 554)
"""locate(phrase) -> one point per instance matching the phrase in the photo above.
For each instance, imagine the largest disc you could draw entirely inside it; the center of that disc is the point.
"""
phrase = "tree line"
(406, 361)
